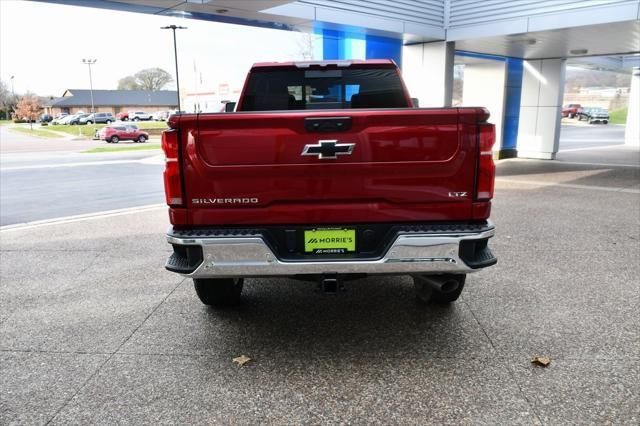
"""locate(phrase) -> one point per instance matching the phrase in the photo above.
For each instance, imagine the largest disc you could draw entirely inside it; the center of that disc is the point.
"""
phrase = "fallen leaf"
(241, 360)
(542, 361)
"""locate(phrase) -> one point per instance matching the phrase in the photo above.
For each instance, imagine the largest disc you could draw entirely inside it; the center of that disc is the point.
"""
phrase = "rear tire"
(606, 121)
(108, 121)
(219, 292)
(136, 119)
(439, 289)
(142, 139)
(114, 139)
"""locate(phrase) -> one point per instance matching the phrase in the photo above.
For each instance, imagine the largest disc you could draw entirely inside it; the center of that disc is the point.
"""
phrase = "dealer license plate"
(329, 241)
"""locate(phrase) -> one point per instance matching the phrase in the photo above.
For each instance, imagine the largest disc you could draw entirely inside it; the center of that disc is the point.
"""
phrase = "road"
(39, 181)
(51, 184)
(579, 135)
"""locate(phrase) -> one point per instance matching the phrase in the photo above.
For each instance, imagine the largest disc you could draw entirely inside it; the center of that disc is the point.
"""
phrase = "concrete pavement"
(93, 330)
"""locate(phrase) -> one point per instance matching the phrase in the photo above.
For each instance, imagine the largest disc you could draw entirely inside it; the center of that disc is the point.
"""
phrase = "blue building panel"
(384, 48)
(338, 44)
(512, 106)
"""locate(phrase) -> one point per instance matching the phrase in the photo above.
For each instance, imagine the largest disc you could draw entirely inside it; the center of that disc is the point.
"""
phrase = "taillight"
(172, 180)
(486, 166)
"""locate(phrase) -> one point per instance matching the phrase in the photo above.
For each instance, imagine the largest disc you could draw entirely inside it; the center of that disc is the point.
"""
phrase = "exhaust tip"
(449, 286)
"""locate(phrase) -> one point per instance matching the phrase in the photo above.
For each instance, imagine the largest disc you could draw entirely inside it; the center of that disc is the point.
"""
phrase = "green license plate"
(329, 241)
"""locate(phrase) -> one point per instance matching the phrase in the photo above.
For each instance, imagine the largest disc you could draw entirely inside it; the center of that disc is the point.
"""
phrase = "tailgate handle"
(327, 124)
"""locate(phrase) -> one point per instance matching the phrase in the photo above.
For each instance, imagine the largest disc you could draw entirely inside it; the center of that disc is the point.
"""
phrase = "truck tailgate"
(405, 165)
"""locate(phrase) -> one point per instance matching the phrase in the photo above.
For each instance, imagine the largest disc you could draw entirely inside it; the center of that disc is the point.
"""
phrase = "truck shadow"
(375, 316)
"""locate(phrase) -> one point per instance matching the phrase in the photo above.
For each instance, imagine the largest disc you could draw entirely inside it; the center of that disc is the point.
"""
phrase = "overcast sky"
(43, 45)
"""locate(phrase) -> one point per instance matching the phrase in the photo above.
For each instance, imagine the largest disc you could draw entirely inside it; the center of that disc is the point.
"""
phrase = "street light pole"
(90, 62)
(13, 99)
(175, 53)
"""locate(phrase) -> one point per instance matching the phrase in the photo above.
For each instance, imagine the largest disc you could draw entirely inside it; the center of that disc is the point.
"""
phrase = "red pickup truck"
(326, 172)
(571, 110)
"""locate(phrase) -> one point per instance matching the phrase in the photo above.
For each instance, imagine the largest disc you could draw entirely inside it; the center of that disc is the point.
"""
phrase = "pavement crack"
(91, 262)
(506, 365)
(101, 366)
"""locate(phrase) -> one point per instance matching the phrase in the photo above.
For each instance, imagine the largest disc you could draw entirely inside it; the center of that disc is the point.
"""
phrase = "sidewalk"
(13, 142)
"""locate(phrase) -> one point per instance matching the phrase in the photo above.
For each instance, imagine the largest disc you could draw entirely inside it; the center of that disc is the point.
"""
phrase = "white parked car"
(68, 118)
(174, 111)
(139, 116)
(58, 118)
(160, 115)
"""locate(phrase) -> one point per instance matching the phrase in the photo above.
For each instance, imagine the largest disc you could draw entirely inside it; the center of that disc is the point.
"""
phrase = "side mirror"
(229, 107)
(416, 102)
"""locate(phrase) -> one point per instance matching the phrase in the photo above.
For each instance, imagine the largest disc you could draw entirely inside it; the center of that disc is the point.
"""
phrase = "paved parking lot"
(93, 330)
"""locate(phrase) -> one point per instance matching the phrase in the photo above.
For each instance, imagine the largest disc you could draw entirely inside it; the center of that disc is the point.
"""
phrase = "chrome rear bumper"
(251, 256)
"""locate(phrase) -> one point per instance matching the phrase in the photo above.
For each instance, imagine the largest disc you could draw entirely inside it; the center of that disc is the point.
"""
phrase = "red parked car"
(123, 116)
(115, 134)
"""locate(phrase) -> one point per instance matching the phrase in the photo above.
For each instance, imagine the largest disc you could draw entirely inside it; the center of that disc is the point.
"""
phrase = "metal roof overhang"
(608, 28)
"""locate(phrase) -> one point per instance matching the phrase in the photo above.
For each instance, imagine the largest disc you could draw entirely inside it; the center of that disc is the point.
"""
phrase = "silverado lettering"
(224, 201)
(352, 181)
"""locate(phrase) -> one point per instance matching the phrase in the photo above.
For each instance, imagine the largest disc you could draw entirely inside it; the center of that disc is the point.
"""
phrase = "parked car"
(308, 220)
(117, 133)
(46, 118)
(98, 117)
(75, 119)
(593, 115)
(139, 116)
(58, 118)
(68, 118)
(160, 115)
(123, 116)
(173, 112)
(570, 110)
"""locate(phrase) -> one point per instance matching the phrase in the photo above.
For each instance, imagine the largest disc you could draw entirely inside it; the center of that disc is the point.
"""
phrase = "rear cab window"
(274, 89)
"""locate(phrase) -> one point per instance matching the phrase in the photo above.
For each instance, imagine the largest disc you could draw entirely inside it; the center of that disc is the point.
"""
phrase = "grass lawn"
(149, 124)
(5, 122)
(618, 116)
(35, 132)
(86, 131)
(141, 147)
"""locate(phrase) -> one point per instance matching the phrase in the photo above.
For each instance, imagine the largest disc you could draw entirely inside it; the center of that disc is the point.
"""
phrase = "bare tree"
(306, 46)
(28, 108)
(128, 83)
(152, 79)
(148, 79)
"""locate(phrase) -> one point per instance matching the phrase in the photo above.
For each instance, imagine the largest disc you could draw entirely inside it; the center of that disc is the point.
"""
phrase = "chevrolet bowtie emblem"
(328, 149)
